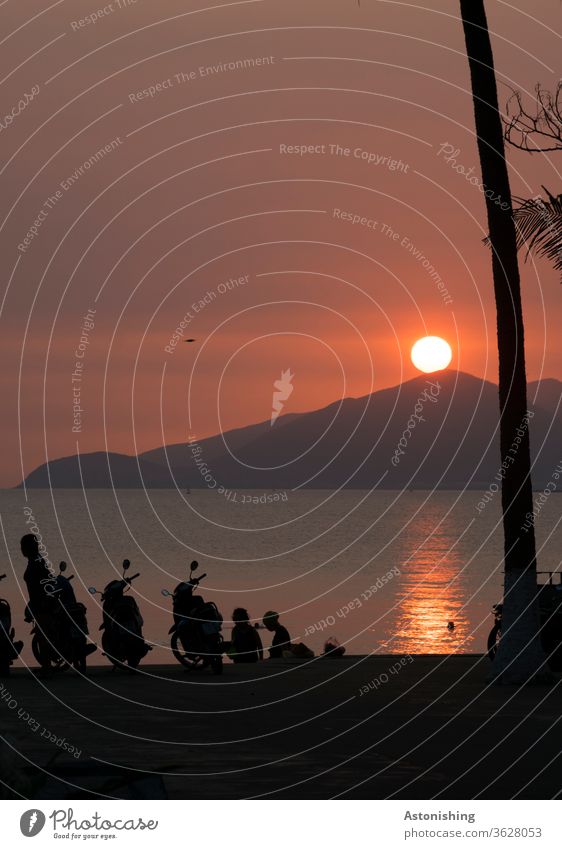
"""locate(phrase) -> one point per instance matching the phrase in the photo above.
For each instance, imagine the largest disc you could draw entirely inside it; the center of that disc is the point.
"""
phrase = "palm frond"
(538, 224)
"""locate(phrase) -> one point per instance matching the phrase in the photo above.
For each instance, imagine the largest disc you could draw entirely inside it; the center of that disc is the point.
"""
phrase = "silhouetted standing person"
(40, 585)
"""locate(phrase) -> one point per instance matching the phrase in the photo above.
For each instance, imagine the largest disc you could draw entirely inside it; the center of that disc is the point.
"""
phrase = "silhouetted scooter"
(65, 640)
(9, 648)
(122, 641)
(196, 633)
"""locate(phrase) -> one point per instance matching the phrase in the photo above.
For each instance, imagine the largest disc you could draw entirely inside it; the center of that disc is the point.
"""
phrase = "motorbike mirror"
(165, 593)
(194, 566)
(2, 577)
(62, 566)
(126, 564)
(92, 590)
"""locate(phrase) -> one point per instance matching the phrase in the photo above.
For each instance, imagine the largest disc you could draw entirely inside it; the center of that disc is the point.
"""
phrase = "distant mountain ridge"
(437, 430)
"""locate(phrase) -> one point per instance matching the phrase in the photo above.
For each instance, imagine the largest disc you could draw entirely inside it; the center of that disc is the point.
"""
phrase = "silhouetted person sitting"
(281, 640)
(246, 644)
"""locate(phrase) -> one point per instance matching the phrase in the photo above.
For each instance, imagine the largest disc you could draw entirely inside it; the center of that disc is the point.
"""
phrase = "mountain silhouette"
(439, 430)
(98, 470)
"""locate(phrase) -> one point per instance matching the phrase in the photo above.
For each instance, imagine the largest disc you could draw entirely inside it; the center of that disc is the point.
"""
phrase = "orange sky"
(203, 184)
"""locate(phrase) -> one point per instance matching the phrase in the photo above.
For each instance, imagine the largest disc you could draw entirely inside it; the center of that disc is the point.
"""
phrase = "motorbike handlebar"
(132, 578)
(194, 582)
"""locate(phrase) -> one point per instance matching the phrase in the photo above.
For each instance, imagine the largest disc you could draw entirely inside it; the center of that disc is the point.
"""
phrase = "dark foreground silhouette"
(289, 729)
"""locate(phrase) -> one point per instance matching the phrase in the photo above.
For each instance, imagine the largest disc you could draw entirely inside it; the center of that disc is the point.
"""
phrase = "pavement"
(377, 727)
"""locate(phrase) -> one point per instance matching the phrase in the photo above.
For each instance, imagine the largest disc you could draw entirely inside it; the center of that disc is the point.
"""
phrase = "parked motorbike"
(9, 647)
(122, 641)
(63, 640)
(495, 633)
(549, 597)
(196, 639)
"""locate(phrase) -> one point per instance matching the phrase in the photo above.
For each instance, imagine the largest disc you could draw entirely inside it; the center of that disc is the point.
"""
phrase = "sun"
(431, 354)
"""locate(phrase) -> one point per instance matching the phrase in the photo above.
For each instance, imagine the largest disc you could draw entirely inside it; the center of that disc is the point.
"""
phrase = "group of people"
(245, 642)
(245, 645)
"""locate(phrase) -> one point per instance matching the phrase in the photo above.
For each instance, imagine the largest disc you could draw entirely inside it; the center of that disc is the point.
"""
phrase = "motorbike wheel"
(112, 652)
(45, 657)
(134, 658)
(190, 661)
(81, 662)
(216, 659)
(125, 654)
(136, 649)
(493, 640)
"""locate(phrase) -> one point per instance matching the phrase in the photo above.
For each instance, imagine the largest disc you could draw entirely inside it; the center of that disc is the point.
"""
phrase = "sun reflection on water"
(432, 590)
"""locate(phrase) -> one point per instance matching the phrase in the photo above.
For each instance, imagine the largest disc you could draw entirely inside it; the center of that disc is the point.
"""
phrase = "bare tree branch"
(538, 130)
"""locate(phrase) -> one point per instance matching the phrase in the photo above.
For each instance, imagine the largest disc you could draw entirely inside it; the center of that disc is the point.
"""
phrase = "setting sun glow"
(431, 354)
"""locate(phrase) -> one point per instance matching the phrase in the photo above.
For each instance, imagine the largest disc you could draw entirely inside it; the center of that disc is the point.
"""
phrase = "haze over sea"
(314, 556)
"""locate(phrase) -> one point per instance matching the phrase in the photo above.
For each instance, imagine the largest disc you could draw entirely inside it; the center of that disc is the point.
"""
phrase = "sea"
(380, 571)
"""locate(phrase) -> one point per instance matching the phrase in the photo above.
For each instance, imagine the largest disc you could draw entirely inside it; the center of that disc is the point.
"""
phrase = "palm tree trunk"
(520, 656)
